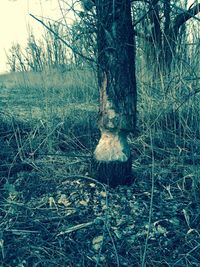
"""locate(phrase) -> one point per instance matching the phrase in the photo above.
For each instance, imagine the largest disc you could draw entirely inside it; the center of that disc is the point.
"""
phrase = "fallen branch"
(61, 39)
(80, 226)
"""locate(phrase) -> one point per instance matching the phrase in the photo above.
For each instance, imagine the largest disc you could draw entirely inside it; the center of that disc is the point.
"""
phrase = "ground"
(54, 213)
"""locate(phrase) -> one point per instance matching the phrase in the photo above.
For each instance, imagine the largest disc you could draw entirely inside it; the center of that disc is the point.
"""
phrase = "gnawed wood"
(112, 146)
(112, 159)
(117, 84)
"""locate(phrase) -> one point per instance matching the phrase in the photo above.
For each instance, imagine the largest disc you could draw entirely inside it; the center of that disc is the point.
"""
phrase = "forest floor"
(53, 213)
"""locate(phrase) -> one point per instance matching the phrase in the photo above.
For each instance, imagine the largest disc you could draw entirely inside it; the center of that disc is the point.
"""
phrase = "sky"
(15, 22)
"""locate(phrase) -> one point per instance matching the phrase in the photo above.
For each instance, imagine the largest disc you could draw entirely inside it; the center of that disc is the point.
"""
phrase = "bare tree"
(117, 84)
(47, 52)
(161, 27)
(16, 59)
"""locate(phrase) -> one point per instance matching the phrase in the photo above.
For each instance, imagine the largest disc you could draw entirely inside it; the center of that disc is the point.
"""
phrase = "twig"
(187, 254)
(21, 231)
(114, 247)
(151, 205)
(77, 227)
(188, 98)
(61, 39)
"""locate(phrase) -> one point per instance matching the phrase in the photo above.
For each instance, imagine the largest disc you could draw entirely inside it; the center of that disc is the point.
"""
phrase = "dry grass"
(48, 94)
(48, 215)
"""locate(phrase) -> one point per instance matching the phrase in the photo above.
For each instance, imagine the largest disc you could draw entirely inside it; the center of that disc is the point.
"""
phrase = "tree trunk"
(156, 34)
(117, 83)
(167, 49)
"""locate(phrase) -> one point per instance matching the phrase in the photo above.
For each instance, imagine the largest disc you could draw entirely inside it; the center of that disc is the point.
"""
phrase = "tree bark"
(154, 49)
(166, 51)
(117, 83)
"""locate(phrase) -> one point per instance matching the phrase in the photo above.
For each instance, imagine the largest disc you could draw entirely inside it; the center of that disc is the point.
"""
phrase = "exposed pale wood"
(116, 75)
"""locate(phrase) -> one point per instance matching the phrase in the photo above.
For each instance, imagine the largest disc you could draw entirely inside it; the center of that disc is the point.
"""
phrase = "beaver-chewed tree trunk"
(117, 83)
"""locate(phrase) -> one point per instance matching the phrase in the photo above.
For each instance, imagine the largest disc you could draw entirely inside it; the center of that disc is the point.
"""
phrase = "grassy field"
(43, 95)
(52, 212)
